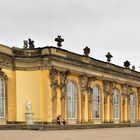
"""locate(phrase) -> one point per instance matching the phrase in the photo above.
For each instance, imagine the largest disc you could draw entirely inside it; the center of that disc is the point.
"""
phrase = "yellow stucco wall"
(46, 96)
(28, 87)
(35, 85)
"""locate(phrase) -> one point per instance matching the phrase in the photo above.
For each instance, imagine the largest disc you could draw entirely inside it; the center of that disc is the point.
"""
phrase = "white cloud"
(103, 25)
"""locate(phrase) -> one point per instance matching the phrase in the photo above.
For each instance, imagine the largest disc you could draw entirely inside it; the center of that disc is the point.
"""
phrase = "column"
(83, 87)
(128, 109)
(90, 107)
(112, 88)
(105, 107)
(111, 108)
(90, 98)
(82, 107)
(123, 108)
(54, 86)
(106, 89)
(63, 87)
(139, 111)
(124, 94)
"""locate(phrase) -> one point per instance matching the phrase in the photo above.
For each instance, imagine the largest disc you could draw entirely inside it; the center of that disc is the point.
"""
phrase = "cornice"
(39, 58)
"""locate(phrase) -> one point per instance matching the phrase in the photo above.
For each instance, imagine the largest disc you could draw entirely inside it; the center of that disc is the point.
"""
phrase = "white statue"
(29, 113)
(28, 106)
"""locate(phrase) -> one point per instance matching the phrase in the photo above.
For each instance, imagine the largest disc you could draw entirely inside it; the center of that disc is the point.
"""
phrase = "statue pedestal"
(29, 118)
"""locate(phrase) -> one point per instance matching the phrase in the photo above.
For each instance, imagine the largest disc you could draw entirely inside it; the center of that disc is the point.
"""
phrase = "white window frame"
(132, 119)
(3, 89)
(98, 103)
(118, 104)
(72, 91)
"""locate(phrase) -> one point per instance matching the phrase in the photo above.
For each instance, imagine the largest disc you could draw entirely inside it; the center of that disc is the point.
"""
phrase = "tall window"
(2, 98)
(132, 107)
(72, 100)
(116, 104)
(96, 102)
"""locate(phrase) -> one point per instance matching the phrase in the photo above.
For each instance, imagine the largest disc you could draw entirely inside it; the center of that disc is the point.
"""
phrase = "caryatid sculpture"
(54, 86)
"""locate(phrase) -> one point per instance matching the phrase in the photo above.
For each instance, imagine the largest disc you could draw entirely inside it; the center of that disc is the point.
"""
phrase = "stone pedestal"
(29, 118)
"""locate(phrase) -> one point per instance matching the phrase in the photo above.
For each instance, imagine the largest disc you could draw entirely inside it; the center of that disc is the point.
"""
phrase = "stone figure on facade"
(63, 86)
(124, 88)
(54, 82)
(63, 83)
(124, 92)
(54, 87)
(28, 44)
(106, 88)
(31, 44)
(89, 87)
(83, 83)
(83, 86)
(129, 89)
(89, 84)
(25, 44)
(112, 88)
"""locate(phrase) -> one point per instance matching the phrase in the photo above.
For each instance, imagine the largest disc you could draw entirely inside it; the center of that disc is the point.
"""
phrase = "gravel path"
(86, 134)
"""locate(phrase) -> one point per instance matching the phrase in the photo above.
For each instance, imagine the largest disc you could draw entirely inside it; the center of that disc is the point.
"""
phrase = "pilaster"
(54, 86)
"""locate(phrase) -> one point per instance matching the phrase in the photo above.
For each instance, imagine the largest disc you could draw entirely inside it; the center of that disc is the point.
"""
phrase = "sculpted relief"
(109, 88)
(126, 92)
(83, 83)
(6, 61)
(106, 88)
(63, 83)
(54, 83)
(86, 86)
(112, 88)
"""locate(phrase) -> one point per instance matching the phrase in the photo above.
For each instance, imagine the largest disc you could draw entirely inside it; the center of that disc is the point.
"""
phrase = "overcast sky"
(103, 25)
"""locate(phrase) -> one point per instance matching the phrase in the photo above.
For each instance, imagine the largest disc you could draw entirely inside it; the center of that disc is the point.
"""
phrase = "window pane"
(132, 107)
(116, 104)
(96, 102)
(2, 99)
(72, 93)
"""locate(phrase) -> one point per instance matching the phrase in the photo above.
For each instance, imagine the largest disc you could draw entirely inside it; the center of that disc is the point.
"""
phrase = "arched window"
(132, 107)
(2, 98)
(96, 102)
(72, 100)
(116, 104)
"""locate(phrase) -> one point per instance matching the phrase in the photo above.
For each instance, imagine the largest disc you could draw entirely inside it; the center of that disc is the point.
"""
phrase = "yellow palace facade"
(56, 81)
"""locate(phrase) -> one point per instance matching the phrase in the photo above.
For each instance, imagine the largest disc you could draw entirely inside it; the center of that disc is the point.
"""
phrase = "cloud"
(103, 25)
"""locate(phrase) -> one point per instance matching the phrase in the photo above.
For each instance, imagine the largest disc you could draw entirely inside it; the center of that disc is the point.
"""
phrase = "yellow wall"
(46, 96)
(35, 85)
(28, 87)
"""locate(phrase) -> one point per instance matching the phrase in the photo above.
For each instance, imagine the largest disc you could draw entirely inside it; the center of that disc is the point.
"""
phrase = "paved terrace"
(132, 133)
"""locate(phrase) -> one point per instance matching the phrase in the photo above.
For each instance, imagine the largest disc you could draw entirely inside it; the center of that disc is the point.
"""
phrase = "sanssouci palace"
(42, 83)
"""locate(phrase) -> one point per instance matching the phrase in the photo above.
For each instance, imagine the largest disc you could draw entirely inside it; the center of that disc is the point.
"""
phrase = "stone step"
(63, 127)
